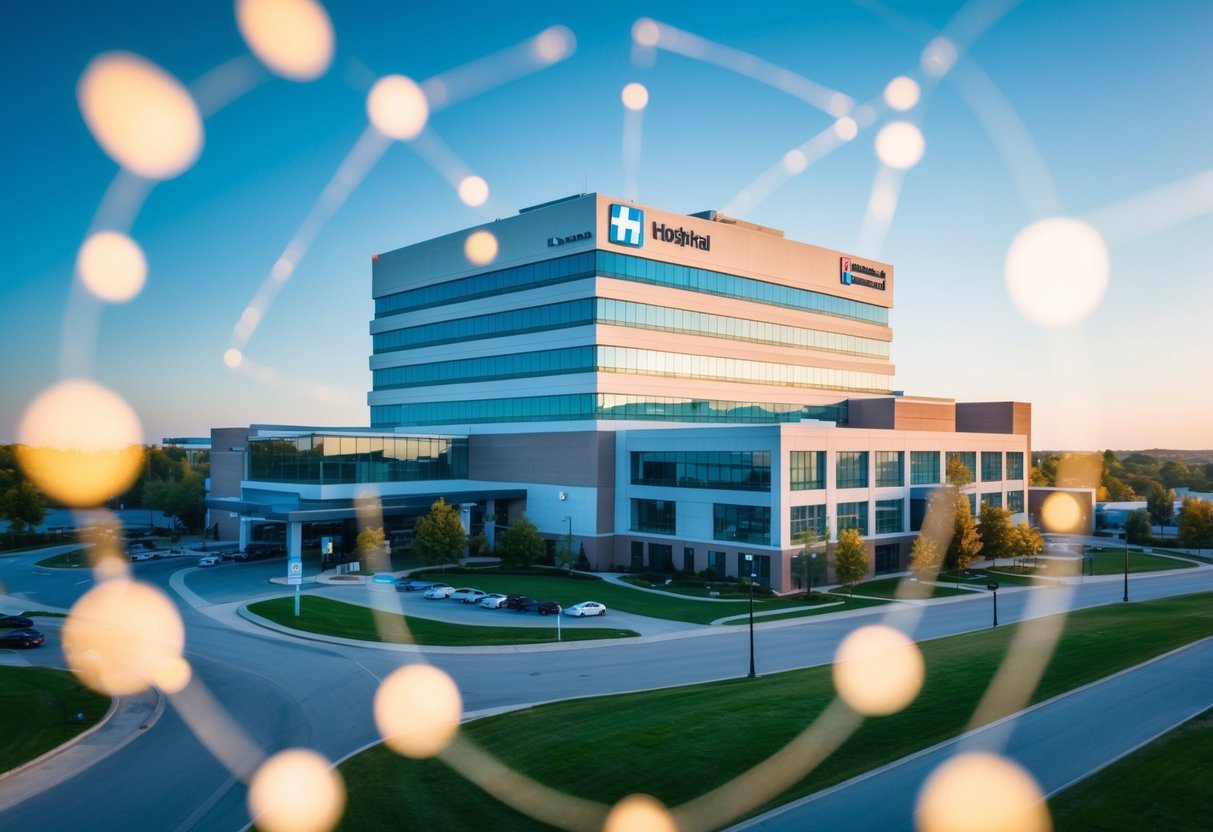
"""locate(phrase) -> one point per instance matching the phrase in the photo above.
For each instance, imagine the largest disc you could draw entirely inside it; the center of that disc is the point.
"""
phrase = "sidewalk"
(126, 719)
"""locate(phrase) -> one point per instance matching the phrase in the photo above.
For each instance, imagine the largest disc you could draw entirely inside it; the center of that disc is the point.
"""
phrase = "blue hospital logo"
(627, 226)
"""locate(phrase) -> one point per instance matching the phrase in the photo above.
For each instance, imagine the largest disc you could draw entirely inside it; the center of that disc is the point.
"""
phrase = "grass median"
(1166, 784)
(335, 618)
(40, 709)
(678, 743)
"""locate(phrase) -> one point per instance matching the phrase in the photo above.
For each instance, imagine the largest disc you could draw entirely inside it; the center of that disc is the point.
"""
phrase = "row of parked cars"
(253, 551)
(21, 632)
(436, 590)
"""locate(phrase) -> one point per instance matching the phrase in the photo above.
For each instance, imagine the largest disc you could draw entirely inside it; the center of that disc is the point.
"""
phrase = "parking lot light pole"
(750, 561)
(993, 587)
(1126, 598)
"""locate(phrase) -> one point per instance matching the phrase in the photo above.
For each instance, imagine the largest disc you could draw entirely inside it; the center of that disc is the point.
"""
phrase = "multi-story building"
(668, 391)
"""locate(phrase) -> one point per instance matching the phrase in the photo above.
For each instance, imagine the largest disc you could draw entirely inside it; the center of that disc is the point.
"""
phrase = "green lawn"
(77, 559)
(827, 604)
(1107, 562)
(1167, 784)
(889, 588)
(566, 591)
(334, 618)
(38, 708)
(678, 743)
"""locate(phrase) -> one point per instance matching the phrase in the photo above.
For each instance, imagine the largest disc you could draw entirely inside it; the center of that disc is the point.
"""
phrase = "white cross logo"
(627, 225)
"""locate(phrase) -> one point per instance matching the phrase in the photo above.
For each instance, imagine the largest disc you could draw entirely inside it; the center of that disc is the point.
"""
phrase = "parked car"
(439, 591)
(383, 578)
(468, 595)
(210, 560)
(493, 601)
(518, 602)
(586, 608)
(22, 638)
(545, 607)
(228, 554)
(14, 622)
(413, 584)
(259, 551)
(141, 555)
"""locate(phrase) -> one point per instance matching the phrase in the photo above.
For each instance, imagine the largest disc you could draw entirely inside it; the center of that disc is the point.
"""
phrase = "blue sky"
(1113, 98)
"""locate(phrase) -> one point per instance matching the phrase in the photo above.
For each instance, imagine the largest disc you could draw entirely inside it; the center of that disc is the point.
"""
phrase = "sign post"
(294, 577)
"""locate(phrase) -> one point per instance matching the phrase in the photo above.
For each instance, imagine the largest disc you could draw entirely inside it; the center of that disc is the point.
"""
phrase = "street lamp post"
(993, 587)
(750, 561)
(1126, 598)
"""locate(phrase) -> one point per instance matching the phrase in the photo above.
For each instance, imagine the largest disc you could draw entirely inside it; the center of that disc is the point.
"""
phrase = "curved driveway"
(285, 692)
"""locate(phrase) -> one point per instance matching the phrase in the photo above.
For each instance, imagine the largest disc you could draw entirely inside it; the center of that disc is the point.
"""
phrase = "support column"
(294, 539)
(490, 526)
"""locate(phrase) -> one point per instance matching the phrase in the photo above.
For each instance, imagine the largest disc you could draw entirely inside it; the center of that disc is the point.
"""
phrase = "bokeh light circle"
(1060, 512)
(122, 636)
(143, 118)
(846, 129)
(80, 443)
(878, 670)
(900, 145)
(1057, 271)
(554, 44)
(938, 57)
(635, 96)
(480, 247)
(112, 266)
(794, 162)
(397, 107)
(417, 710)
(981, 792)
(473, 191)
(296, 790)
(639, 813)
(646, 32)
(294, 38)
(902, 93)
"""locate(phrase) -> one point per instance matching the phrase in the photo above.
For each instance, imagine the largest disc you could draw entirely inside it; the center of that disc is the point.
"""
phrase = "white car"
(586, 608)
(468, 595)
(439, 591)
(210, 560)
(492, 602)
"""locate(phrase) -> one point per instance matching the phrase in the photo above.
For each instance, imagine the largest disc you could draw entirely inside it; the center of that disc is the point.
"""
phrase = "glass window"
(972, 504)
(655, 516)
(890, 467)
(924, 467)
(852, 469)
(807, 470)
(1015, 465)
(991, 466)
(735, 470)
(853, 516)
(716, 562)
(993, 499)
(1015, 501)
(890, 516)
(333, 460)
(808, 517)
(746, 524)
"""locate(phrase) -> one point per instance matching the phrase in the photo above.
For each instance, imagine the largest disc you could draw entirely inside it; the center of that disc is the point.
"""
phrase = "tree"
(807, 540)
(925, 558)
(1195, 523)
(23, 505)
(958, 474)
(520, 545)
(1026, 542)
(182, 497)
(1044, 472)
(1161, 505)
(439, 536)
(850, 558)
(369, 546)
(965, 545)
(1137, 527)
(995, 531)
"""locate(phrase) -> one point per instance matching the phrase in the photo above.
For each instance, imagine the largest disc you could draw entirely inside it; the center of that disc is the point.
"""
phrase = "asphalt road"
(284, 692)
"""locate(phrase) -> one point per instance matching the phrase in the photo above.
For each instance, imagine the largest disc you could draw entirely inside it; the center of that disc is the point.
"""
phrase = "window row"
(512, 322)
(627, 267)
(751, 524)
(588, 359)
(577, 406)
(733, 470)
(332, 460)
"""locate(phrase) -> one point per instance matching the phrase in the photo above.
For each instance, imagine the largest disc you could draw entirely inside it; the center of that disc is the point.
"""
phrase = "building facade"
(668, 391)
